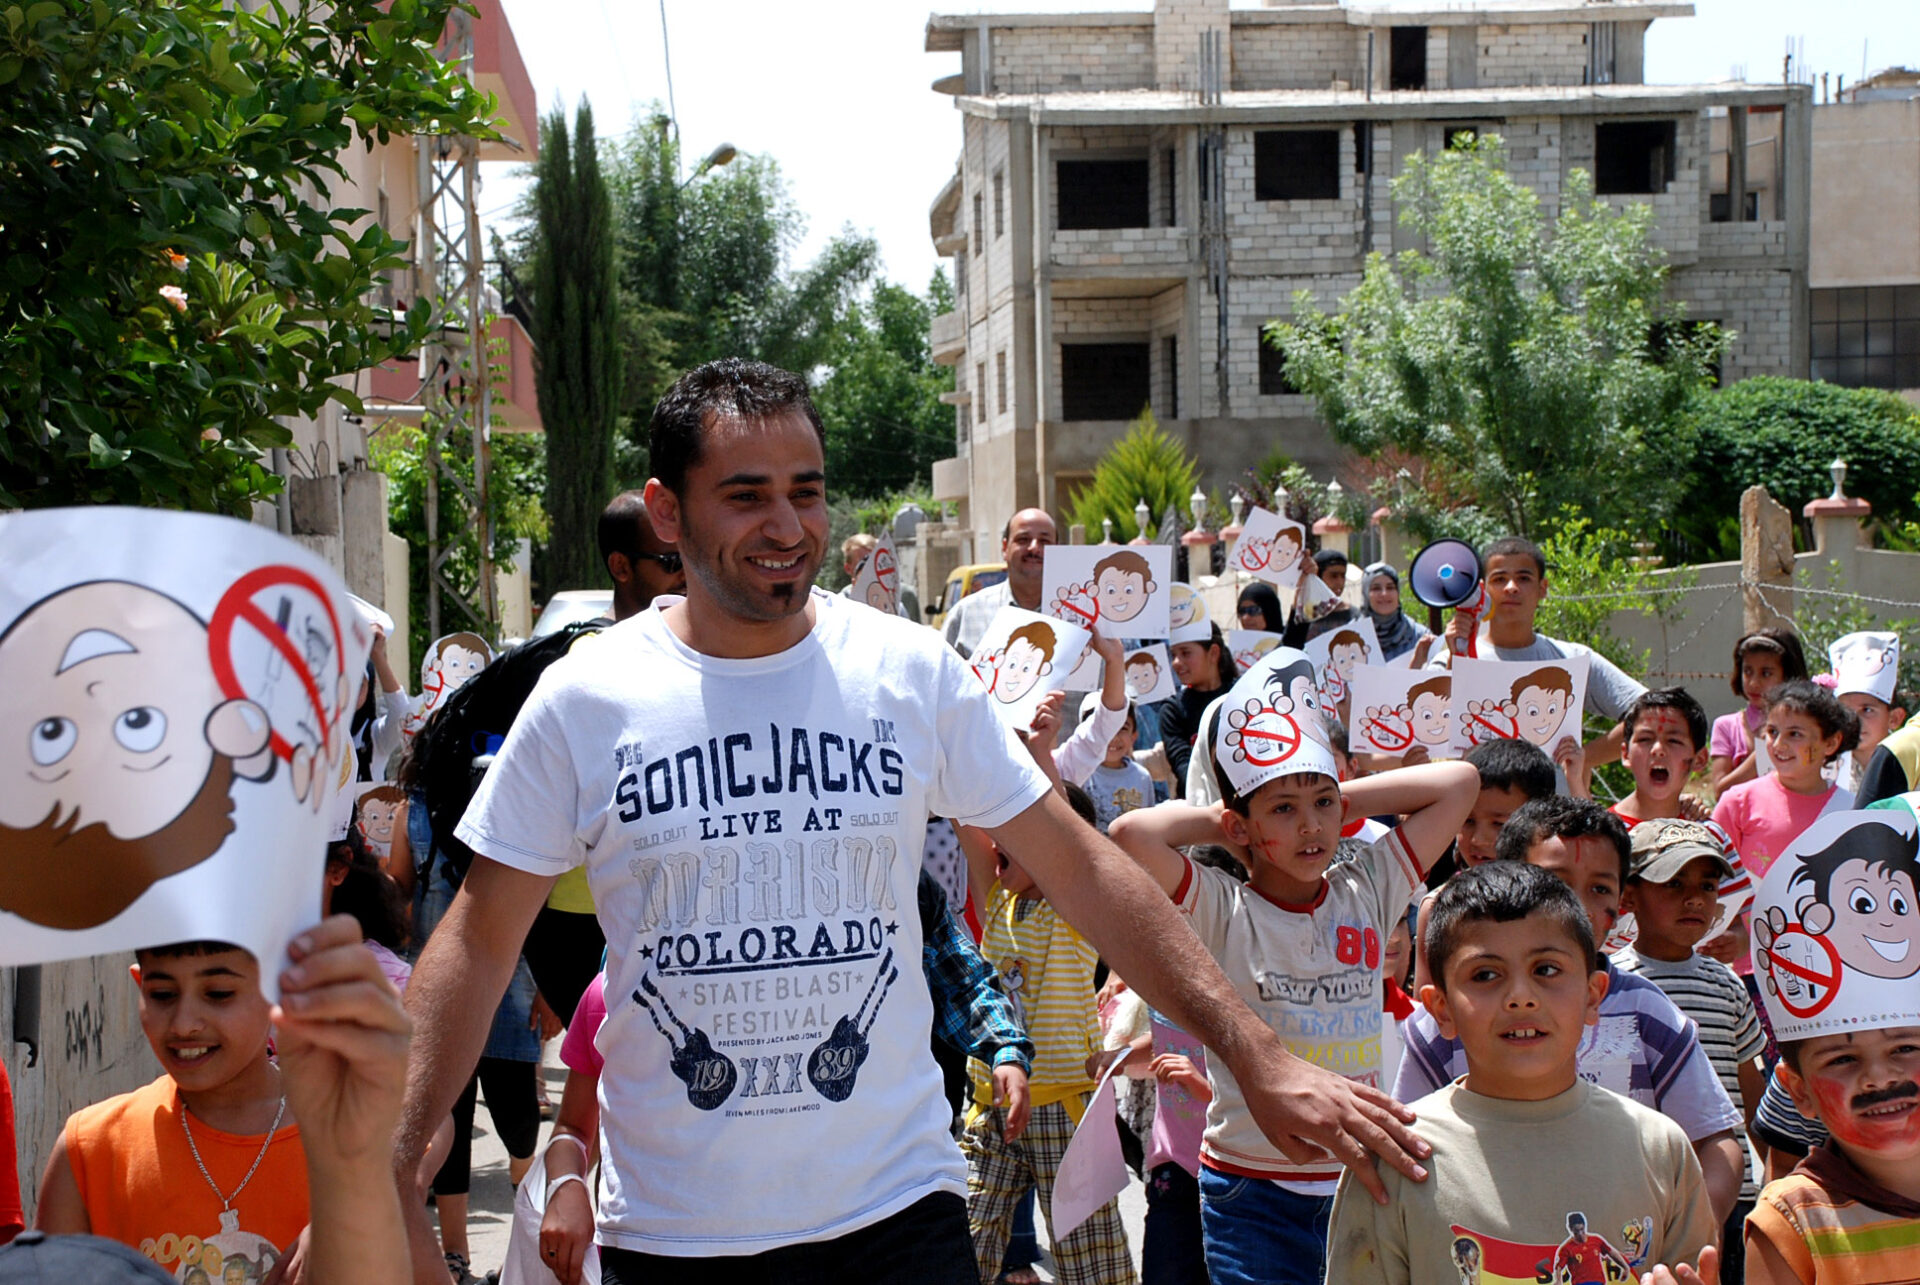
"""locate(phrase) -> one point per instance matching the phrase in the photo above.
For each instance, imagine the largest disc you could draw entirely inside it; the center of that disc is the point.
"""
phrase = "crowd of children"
(1564, 993)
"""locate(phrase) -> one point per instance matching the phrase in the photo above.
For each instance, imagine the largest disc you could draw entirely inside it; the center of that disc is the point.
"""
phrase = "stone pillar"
(1839, 525)
(1177, 25)
(1766, 560)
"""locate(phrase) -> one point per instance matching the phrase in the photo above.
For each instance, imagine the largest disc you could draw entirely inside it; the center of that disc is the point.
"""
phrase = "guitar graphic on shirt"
(838, 1058)
(709, 1075)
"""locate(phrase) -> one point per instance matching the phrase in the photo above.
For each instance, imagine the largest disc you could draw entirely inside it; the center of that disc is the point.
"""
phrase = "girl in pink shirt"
(1762, 660)
(1806, 729)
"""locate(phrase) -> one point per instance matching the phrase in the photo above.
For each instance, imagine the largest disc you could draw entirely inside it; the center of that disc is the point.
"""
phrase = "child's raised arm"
(1154, 836)
(1434, 797)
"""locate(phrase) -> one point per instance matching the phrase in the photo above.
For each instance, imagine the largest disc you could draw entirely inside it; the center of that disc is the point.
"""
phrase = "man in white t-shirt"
(1023, 547)
(746, 774)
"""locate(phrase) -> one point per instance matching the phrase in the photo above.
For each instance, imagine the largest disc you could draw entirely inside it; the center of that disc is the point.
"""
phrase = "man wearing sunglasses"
(642, 565)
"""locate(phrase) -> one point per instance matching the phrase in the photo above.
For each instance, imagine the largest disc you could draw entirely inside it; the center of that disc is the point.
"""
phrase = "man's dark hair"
(1500, 892)
(730, 388)
(1513, 765)
(1329, 558)
(1879, 846)
(1677, 699)
(618, 530)
(1559, 817)
(1081, 802)
(1509, 544)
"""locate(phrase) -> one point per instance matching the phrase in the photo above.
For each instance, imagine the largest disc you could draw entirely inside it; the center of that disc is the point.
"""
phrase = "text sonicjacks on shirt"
(767, 908)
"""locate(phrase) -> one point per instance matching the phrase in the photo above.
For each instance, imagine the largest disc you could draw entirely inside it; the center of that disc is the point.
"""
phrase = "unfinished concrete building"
(1137, 194)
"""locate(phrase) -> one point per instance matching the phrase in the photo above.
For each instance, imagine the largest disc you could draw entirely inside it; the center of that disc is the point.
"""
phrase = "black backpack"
(457, 744)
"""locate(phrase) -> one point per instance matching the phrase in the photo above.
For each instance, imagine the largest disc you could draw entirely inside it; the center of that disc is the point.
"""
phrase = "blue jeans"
(1257, 1232)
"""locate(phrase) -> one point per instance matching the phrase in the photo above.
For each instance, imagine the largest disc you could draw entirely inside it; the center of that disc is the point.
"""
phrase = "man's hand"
(1709, 1273)
(1309, 1113)
(1010, 1093)
(342, 1039)
(566, 1230)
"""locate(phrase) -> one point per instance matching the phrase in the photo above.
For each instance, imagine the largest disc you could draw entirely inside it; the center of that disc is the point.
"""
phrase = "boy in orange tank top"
(203, 1169)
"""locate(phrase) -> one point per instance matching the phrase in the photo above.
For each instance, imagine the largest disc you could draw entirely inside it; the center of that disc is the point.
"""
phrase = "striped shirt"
(1643, 1047)
(1046, 969)
(1707, 991)
(1831, 1237)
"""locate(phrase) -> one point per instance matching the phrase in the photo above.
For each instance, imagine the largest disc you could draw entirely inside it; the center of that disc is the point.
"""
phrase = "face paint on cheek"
(1869, 1133)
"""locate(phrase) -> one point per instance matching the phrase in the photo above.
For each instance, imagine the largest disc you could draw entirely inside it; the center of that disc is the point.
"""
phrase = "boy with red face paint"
(1849, 1056)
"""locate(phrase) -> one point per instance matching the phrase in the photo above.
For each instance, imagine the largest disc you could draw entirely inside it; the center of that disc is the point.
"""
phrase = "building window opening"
(1103, 194)
(1273, 369)
(1633, 157)
(1104, 381)
(1867, 336)
(1296, 165)
(1170, 359)
(1407, 58)
(999, 204)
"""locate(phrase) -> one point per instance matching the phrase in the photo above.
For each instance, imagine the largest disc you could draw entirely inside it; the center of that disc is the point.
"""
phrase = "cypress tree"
(576, 314)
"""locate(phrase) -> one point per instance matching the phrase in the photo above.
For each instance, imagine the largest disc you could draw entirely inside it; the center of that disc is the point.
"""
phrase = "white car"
(573, 606)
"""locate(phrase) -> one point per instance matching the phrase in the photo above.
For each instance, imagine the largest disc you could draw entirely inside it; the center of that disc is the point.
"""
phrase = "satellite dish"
(1446, 574)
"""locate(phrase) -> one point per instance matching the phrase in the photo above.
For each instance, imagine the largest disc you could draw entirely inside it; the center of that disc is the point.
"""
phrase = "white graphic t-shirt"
(752, 833)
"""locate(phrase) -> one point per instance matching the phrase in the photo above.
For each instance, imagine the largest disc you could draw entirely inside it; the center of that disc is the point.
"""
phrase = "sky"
(840, 93)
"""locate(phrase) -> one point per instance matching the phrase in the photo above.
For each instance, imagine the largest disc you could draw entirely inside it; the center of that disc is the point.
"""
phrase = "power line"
(666, 56)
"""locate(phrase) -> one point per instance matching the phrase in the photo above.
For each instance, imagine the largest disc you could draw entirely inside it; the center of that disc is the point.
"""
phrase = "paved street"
(490, 1213)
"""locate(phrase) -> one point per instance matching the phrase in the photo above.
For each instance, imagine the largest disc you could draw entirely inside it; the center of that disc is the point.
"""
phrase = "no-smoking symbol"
(1806, 988)
(1268, 737)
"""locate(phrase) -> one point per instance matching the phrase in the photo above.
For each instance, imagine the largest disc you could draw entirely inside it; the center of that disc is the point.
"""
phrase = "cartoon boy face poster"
(1394, 709)
(1248, 645)
(1336, 655)
(1149, 674)
(1023, 656)
(1271, 548)
(1126, 591)
(444, 670)
(1530, 700)
(1836, 925)
(877, 583)
(171, 732)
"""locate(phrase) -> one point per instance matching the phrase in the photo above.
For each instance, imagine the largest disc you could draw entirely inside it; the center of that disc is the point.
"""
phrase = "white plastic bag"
(524, 1266)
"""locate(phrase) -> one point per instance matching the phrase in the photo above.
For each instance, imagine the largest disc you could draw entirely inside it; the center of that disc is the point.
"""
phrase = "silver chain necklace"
(226, 1201)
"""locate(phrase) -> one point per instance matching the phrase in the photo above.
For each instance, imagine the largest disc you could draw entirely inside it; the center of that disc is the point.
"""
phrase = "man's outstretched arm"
(1299, 1106)
(451, 998)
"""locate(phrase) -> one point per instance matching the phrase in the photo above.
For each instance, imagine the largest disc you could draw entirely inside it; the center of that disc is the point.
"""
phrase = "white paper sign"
(877, 583)
(1092, 1171)
(1339, 652)
(444, 670)
(1836, 940)
(1247, 646)
(1023, 656)
(1125, 592)
(1271, 548)
(1395, 709)
(1530, 700)
(378, 813)
(1149, 674)
(172, 728)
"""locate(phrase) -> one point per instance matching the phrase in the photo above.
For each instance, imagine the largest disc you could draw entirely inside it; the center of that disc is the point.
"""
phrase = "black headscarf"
(1263, 596)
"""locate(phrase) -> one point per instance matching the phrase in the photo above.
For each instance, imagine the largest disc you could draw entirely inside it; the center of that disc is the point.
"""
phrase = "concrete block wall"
(1167, 315)
(1038, 60)
(1291, 236)
(1757, 241)
(1531, 54)
(1255, 301)
(1177, 27)
(1679, 211)
(1755, 303)
(1298, 57)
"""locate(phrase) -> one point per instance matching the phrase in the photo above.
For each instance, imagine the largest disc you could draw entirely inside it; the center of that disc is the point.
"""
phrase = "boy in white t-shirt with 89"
(1301, 941)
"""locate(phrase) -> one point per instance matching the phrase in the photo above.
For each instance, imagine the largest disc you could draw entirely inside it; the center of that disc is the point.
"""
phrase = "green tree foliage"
(1783, 434)
(1145, 464)
(576, 333)
(169, 282)
(1527, 370)
(886, 424)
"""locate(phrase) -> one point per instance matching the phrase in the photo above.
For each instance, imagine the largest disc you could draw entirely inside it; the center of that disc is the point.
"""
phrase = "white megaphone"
(1446, 575)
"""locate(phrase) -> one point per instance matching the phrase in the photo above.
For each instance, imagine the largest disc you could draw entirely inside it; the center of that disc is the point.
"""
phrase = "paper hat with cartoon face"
(1867, 662)
(1271, 724)
(1187, 618)
(1836, 925)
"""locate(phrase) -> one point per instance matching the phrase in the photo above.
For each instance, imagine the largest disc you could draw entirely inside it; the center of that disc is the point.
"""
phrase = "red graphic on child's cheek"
(1868, 1133)
(240, 606)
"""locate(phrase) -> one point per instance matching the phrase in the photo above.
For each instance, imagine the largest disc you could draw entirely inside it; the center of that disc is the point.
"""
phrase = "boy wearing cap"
(1673, 890)
(1849, 1031)
(1866, 670)
(1302, 940)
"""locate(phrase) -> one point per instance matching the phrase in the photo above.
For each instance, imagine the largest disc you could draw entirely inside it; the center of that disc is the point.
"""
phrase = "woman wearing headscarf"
(1398, 633)
(1259, 608)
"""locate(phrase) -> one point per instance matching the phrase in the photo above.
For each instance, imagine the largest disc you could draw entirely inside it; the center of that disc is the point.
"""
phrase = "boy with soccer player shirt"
(1301, 940)
(1673, 890)
(1849, 1214)
(1515, 983)
(1646, 1048)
